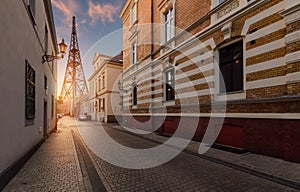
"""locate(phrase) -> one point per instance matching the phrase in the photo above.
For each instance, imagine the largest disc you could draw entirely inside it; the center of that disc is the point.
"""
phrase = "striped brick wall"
(271, 36)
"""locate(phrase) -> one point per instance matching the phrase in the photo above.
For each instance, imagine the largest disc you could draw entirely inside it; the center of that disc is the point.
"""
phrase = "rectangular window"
(221, 1)
(169, 22)
(53, 106)
(231, 68)
(99, 104)
(103, 104)
(99, 83)
(133, 14)
(134, 96)
(46, 85)
(30, 92)
(46, 39)
(103, 82)
(169, 85)
(133, 53)
(31, 9)
(95, 90)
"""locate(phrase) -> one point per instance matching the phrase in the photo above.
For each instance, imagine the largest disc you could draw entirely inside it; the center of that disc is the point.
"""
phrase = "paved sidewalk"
(54, 167)
(274, 169)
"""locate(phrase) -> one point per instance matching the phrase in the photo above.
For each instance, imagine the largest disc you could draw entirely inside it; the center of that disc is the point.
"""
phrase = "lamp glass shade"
(62, 47)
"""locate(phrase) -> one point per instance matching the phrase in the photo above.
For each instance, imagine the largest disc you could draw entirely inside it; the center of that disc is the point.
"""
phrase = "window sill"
(133, 24)
(169, 103)
(231, 93)
(237, 95)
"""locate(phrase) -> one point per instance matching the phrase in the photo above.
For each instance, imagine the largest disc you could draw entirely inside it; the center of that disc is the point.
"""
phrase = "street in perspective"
(150, 95)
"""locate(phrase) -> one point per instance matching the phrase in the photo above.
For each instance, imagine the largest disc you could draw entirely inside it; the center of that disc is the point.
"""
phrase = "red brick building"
(253, 45)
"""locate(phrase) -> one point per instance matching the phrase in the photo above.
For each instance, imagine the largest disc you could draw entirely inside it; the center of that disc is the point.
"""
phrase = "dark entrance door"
(45, 120)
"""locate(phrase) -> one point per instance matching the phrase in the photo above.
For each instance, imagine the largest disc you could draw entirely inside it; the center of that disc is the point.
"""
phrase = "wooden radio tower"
(74, 86)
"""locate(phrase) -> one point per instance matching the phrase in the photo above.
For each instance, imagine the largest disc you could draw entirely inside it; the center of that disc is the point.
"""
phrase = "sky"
(99, 29)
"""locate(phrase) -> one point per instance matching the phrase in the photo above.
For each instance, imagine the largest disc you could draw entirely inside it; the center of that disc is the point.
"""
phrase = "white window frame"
(169, 25)
(133, 53)
(133, 13)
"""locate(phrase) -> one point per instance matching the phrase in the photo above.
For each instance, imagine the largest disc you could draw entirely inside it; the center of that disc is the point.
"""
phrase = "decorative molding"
(226, 30)
(292, 57)
(293, 77)
(292, 38)
(292, 17)
(264, 14)
(228, 8)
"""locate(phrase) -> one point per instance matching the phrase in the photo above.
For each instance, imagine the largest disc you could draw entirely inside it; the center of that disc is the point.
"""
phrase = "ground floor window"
(169, 85)
(30, 92)
(231, 68)
(134, 96)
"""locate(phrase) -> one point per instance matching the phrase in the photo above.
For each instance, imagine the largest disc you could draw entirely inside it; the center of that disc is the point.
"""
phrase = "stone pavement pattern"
(54, 167)
(184, 173)
(273, 166)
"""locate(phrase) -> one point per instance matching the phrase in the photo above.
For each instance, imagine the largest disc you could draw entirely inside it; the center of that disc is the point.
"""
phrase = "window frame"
(133, 14)
(168, 24)
(30, 93)
(31, 7)
(169, 83)
(46, 39)
(230, 96)
(103, 81)
(133, 53)
(99, 83)
(231, 66)
(134, 95)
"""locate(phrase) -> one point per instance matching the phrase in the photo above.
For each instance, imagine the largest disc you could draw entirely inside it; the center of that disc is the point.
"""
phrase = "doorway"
(45, 120)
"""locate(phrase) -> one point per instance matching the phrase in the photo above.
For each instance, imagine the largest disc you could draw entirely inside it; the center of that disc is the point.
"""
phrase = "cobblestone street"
(186, 172)
(62, 164)
(54, 167)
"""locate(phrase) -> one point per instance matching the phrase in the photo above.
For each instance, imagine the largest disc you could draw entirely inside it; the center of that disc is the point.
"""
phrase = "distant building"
(28, 87)
(254, 43)
(82, 107)
(104, 99)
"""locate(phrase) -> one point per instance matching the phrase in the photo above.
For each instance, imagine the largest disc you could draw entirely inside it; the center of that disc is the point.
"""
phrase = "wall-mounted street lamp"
(62, 48)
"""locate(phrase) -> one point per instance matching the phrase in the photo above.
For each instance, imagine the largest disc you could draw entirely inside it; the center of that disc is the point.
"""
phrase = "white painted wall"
(20, 41)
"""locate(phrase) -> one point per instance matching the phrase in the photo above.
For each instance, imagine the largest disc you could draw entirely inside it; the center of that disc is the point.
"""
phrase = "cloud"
(105, 13)
(67, 7)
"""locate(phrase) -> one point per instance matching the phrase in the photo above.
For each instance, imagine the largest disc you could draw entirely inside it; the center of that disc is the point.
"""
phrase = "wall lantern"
(62, 48)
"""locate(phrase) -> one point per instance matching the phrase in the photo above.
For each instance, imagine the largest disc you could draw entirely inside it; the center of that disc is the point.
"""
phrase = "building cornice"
(125, 7)
(106, 64)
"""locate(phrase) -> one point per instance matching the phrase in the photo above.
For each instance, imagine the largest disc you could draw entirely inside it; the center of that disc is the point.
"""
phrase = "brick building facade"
(237, 56)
